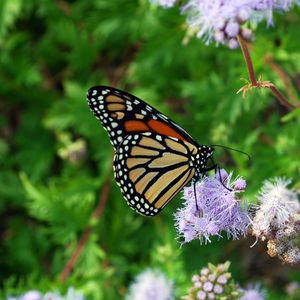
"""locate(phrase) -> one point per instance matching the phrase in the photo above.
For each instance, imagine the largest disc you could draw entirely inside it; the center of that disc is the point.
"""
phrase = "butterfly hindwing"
(151, 169)
(122, 114)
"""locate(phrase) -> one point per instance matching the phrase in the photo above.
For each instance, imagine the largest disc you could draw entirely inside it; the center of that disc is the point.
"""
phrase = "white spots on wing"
(119, 138)
(136, 102)
(143, 112)
(100, 98)
(114, 125)
(94, 92)
(162, 116)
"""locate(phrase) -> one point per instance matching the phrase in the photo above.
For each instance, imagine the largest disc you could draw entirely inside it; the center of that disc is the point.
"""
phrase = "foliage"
(55, 157)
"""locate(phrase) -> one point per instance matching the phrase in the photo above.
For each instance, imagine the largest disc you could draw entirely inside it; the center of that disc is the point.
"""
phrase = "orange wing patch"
(133, 125)
(162, 128)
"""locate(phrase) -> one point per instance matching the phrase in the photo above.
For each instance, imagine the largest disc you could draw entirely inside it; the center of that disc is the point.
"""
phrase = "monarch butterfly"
(154, 157)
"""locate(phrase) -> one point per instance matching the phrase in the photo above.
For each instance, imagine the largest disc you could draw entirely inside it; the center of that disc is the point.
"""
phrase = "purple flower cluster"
(211, 206)
(223, 21)
(213, 282)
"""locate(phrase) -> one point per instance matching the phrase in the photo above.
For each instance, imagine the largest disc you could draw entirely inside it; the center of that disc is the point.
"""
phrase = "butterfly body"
(154, 157)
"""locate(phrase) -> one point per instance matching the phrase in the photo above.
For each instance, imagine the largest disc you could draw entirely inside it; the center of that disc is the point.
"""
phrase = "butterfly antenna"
(245, 153)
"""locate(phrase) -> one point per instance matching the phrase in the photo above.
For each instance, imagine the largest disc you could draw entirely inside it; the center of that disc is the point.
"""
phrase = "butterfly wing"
(151, 169)
(123, 114)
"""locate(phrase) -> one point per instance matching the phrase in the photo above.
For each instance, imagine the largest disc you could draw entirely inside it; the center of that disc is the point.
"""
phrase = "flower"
(210, 207)
(32, 295)
(291, 288)
(72, 294)
(277, 205)
(254, 292)
(223, 21)
(164, 3)
(277, 220)
(211, 289)
(151, 285)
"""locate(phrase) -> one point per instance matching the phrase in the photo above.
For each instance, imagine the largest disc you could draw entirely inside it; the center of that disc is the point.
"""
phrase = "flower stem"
(283, 76)
(87, 232)
(261, 84)
(248, 60)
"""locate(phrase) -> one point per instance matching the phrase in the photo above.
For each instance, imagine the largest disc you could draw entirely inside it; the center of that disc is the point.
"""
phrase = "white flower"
(277, 204)
(32, 295)
(254, 292)
(151, 285)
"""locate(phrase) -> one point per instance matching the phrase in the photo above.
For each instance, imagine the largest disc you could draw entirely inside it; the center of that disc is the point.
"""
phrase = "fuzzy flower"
(207, 286)
(211, 207)
(151, 285)
(254, 293)
(278, 220)
(223, 21)
(277, 205)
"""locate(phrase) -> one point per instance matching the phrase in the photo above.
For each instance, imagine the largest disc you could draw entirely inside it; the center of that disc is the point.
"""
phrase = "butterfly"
(154, 157)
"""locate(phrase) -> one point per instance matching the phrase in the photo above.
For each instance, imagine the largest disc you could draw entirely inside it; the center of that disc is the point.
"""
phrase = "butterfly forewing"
(151, 169)
(122, 114)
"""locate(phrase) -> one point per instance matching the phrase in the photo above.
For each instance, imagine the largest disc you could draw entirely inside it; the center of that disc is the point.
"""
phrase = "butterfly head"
(202, 157)
(205, 153)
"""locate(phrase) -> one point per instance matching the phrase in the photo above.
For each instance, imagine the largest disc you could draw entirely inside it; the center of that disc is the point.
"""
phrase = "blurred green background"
(55, 157)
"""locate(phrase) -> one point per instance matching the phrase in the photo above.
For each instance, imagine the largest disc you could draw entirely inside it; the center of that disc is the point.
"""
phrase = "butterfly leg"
(217, 169)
